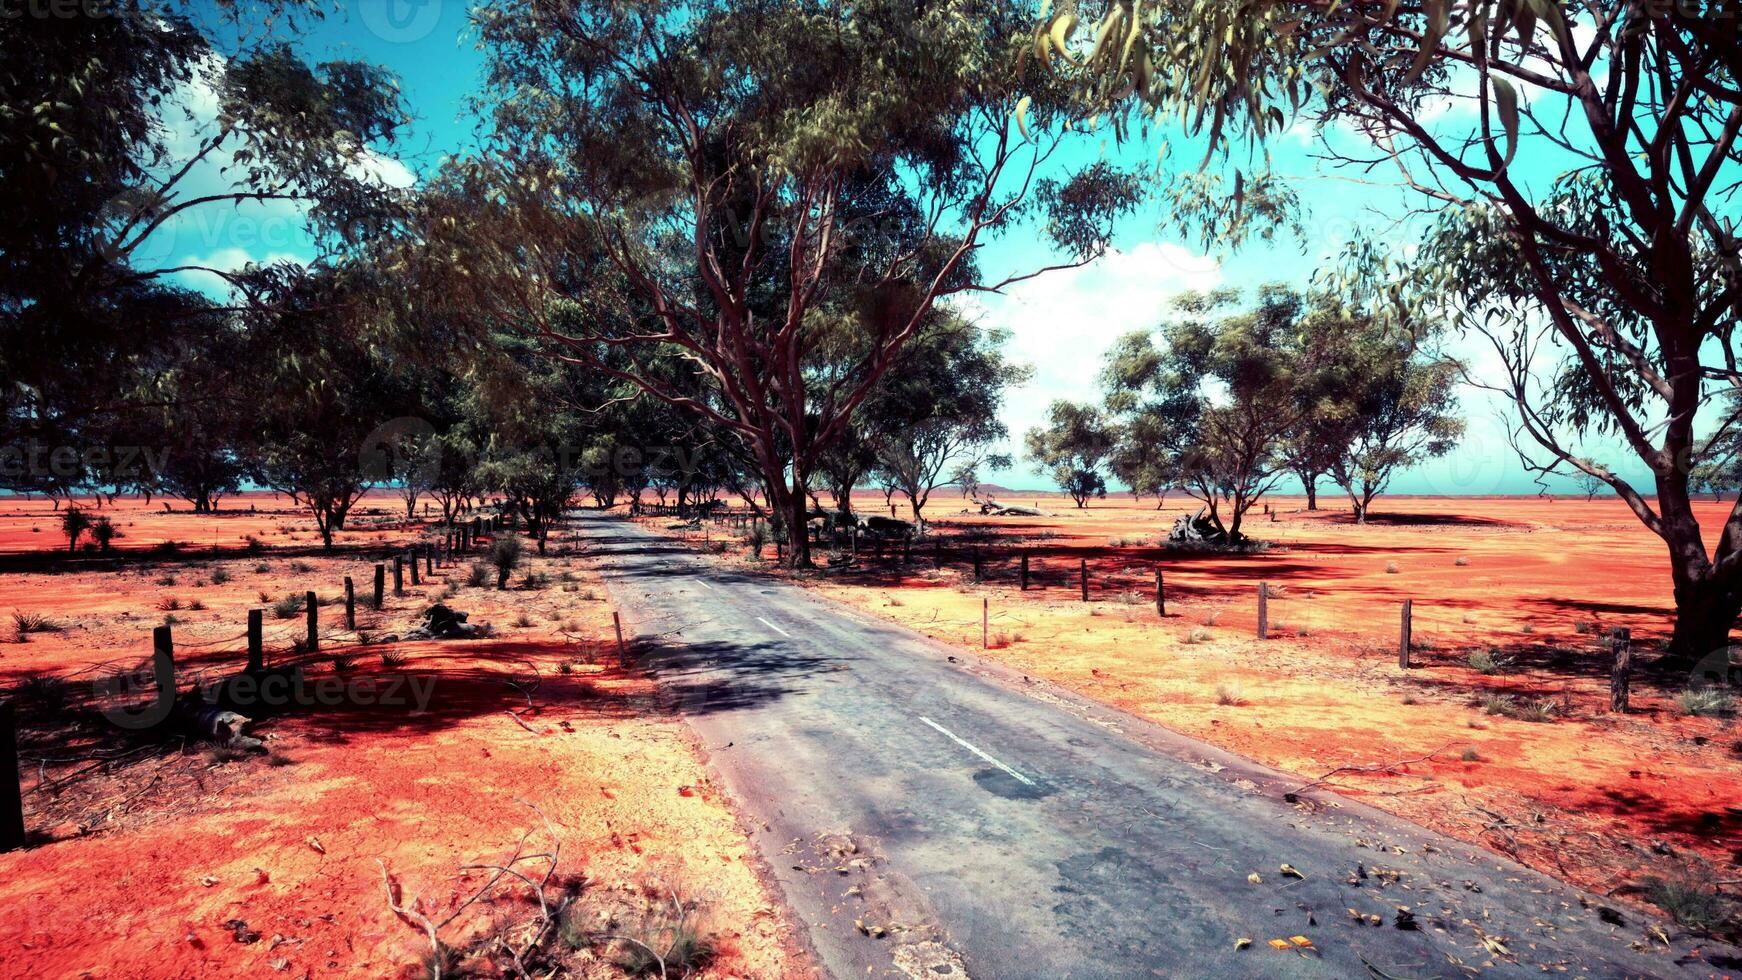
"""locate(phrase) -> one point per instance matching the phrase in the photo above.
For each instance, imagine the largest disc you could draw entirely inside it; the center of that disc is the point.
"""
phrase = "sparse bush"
(1499, 704)
(1213, 618)
(74, 522)
(287, 607)
(1584, 627)
(26, 623)
(196, 604)
(169, 602)
(225, 753)
(343, 662)
(1197, 636)
(479, 576)
(756, 538)
(263, 569)
(279, 760)
(220, 576)
(1706, 702)
(535, 580)
(1000, 640)
(1392, 568)
(166, 581)
(1229, 694)
(505, 556)
(170, 619)
(301, 567)
(1694, 905)
(1471, 755)
(1489, 662)
(1538, 711)
(1461, 561)
(522, 621)
(104, 532)
(392, 658)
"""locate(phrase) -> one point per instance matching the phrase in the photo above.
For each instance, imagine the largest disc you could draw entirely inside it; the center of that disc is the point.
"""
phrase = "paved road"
(1007, 829)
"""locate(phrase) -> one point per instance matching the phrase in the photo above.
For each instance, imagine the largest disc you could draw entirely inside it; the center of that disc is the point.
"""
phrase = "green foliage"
(1072, 449)
(505, 557)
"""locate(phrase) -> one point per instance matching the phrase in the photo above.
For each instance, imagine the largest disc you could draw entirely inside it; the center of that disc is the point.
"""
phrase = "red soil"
(149, 862)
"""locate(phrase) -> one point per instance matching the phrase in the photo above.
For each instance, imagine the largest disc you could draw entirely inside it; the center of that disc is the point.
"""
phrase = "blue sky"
(1060, 323)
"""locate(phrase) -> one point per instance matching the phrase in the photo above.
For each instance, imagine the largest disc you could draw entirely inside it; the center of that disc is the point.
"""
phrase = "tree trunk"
(798, 545)
(1312, 494)
(1705, 611)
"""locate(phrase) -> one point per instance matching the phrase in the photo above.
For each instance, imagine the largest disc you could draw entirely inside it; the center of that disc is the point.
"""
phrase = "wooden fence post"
(11, 795)
(1025, 570)
(428, 559)
(314, 620)
(985, 623)
(1621, 670)
(1160, 594)
(163, 659)
(256, 642)
(398, 574)
(979, 565)
(1404, 638)
(380, 585)
(1083, 576)
(350, 604)
(1264, 610)
(415, 579)
(617, 624)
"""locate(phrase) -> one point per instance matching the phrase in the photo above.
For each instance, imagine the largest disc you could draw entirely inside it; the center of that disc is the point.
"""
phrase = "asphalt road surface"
(927, 814)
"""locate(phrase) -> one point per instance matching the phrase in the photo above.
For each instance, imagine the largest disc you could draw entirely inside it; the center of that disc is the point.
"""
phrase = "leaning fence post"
(380, 585)
(11, 795)
(617, 624)
(256, 642)
(1621, 670)
(1264, 610)
(1160, 594)
(314, 620)
(1083, 576)
(350, 604)
(1404, 638)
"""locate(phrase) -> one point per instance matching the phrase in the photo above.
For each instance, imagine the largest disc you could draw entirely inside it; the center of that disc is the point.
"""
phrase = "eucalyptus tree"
(322, 391)
(1583, 159)
(1072, 448)
(939, 407)
(1221, 391)
(114, 117)
(708, 181)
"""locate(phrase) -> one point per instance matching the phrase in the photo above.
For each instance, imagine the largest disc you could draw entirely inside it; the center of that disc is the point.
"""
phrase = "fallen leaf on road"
(1280, 944)
(315, 842)
(1242, 943)
(1254, 878)
(1288, 869)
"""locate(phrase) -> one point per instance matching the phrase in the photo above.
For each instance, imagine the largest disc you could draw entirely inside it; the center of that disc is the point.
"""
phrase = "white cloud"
(1063, 322)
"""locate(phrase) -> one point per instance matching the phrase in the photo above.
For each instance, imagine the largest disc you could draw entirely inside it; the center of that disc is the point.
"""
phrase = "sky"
(1060, 323)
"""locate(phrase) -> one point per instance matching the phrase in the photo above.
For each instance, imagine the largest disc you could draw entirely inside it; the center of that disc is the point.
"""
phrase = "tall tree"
(1223, 390)
(1585, 177)
(323, 394)
(112, 124)
(1071, 448)
(710, 181)
(939, 407)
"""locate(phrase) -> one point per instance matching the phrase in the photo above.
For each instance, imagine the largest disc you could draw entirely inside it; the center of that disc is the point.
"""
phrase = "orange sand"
(146, 863)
